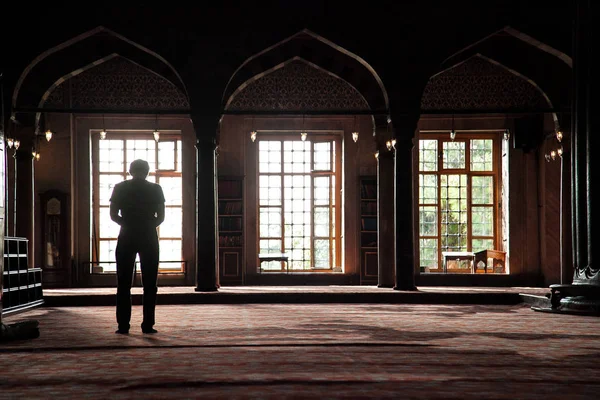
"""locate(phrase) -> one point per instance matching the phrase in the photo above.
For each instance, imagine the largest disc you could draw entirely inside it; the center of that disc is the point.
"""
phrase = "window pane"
(482, 223)
(428, 253)
(270, 246)
(173, 223)
(179, 155)
(322, 156)
(428, 221)
(428, 155)
(142, 149)
(107, 227)
(110, 156)
(428, 189)
(166, 155)
(322, 190)
(106, 252)
(454, 155)
(481, 155)
(322, 222)
(322, 254)
(483, 244)
(172, 190)
(106, 185)
(170, 250)
(270, 222)
(454, 212)
(482, 189)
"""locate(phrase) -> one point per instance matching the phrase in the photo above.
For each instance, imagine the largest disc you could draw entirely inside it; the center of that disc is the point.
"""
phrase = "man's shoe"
(122, 331)
(149, 330)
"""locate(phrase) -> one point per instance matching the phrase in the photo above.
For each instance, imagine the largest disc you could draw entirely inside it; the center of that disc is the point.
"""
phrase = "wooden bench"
(265, 257)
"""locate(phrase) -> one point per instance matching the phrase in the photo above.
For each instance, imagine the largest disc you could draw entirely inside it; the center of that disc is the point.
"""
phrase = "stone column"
(206, 212)
(583, 296)
(404, 128)
(386, 254)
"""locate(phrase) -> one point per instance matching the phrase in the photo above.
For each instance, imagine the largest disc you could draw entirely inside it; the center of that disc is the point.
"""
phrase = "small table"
(490, 261)
(262, 257)
(459, 256)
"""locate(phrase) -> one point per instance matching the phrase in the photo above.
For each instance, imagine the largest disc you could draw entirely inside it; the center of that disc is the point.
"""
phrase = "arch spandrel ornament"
(480, 84)
(297, 86)
(118, 84)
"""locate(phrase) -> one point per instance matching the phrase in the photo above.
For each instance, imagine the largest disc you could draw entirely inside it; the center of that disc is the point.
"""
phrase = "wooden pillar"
(404, 128)
(206, 212)
(386, 252)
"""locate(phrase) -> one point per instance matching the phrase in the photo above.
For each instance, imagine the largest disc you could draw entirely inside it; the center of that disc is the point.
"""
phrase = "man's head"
(139, 169)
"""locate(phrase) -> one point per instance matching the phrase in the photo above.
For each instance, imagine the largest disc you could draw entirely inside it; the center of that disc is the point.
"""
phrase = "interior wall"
(237, 156)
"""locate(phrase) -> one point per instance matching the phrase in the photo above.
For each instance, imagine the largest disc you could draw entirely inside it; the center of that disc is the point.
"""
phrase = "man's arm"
(160, 209)
(160, 213)
(114, 213)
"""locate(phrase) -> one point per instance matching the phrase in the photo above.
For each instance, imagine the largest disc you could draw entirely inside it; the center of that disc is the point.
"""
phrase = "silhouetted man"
(142, 209)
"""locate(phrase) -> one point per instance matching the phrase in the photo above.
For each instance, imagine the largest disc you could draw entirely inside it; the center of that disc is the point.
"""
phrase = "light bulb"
(388, 144)
(253, 136)
(452, 134)
(547, 157)
(37, 156)
(33, 153)
(355, 136)
(553, 154)
(10, 142)
(303, 136)
(394, 143)
(377, 154)
(17, 144)
(506, 134)
(102, 134)
(559, 151)
(48, 135)
(559, 136)
(156, 134)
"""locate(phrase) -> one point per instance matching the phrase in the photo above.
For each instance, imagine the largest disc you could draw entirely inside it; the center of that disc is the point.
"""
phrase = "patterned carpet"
(279, 351)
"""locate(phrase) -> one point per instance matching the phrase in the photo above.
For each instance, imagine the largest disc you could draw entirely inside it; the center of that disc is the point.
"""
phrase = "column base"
(206, 289)
(579, 299)
(406, 288)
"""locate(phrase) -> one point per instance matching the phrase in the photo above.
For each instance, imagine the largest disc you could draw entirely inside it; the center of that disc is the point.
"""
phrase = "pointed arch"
(318, 52)
(72, 57)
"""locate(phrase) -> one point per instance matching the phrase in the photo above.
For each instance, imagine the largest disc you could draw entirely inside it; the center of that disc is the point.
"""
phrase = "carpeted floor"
(279, 351)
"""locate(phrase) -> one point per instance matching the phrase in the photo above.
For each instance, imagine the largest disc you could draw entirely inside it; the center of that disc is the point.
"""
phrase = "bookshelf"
(231, 229)
(22, 285)
(368, 230)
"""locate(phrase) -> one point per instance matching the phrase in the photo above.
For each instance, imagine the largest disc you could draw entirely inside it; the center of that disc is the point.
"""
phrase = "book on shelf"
(368, 189)
(230, 224)
(228, 207)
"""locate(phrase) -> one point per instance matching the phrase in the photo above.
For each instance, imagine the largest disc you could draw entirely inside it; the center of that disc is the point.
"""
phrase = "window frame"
(335, 202)
(165, 136)
(466, 136)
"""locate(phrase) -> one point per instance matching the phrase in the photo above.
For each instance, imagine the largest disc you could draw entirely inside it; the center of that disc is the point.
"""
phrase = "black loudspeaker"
(528, 132)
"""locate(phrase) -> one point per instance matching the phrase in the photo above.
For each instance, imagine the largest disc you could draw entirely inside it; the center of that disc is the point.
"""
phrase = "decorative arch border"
(86, 35)
(229, 91)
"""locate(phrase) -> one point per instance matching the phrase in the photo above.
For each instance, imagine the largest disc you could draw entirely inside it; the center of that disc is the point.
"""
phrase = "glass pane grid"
(114, 157)
(482, 155)
(454, 155)
(299, 198)
(428, 155)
